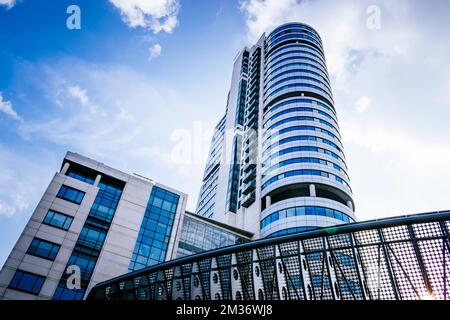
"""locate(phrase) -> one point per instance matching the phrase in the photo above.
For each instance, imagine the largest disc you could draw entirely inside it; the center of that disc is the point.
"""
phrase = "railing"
(389, 259)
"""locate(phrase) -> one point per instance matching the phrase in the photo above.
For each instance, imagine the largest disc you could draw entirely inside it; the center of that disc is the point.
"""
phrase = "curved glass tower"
(289, 172)
(304, 176)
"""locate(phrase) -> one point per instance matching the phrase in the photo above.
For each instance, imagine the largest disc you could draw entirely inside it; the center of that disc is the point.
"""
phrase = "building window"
(43, 249)
(64, 293)
(70, 194)
(81, 173)
(92, 237)
(58, 220)
(156, 229)
(27, 282)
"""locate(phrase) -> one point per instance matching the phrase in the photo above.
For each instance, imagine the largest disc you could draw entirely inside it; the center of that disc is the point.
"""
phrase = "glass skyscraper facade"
(286, 146)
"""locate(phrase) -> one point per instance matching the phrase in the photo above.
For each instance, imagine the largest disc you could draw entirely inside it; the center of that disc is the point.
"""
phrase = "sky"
(140, 76)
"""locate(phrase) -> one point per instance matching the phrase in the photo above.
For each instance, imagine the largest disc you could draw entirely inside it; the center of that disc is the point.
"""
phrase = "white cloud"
(158, 15)
(137, 121)
(362, 104)
(22, 180)
(155, 51)
(8, 3)
(7, 108)
(78, 93)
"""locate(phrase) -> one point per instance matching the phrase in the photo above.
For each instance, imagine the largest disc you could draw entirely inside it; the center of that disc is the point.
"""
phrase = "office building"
(106, 223)
(277, 164)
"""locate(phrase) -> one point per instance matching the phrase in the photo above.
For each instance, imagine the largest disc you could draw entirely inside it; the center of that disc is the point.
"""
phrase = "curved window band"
(289, 50)
(290, 231)
(294, 101)
(270, 66)
(305, 149)
(302, 160)
(301, 109)
(283, 48)
(293, 26)
(303, 172)
(292, 86)
(267, 73)
(305, 211)
(302, 128)
(274, 42)
(293, 30)
(268, 82)
(297, 78)
(302, 118)
(301, 138)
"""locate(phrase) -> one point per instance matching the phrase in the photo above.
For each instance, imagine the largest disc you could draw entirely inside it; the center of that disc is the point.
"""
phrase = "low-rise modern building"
(106, 223)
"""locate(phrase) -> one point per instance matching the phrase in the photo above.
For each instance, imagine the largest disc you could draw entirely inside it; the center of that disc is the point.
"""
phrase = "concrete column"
(65, 168)
(268, 201)
(312, 190)
(97, 179)
(350, 204)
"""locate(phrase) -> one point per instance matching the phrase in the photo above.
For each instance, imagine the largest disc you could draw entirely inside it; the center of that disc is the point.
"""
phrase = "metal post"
(389, 267)
(412, 235)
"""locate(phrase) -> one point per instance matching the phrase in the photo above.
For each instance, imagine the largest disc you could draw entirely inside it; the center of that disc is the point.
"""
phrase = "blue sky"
(140, 73)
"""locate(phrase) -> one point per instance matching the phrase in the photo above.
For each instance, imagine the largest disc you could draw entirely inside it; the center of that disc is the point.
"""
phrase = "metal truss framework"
(404, 258)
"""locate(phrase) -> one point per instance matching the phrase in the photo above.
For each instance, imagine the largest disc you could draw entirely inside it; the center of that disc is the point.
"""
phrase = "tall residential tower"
(277, 164)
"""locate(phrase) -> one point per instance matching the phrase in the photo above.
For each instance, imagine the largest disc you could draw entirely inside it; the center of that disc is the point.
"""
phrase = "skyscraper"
(279, 165)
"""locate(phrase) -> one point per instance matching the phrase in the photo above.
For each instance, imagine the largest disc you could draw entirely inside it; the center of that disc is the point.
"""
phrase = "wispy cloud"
(136, 120)
(7, 108)
(157, 15)
(362, 104)
(8, 3)
(78, 93)
(155, 51)
(19, 188)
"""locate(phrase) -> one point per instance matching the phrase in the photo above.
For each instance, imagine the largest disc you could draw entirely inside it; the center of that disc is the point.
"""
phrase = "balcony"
(248, 200)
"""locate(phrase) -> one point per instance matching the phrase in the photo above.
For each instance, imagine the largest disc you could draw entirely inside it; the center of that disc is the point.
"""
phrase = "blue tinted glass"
(300, 211)
(310, 211)
(320, 211)
(70, 194)
(329, 213)
(43, 249)
(27, 282)
(156, 228)
(338, 215)
(290, 212)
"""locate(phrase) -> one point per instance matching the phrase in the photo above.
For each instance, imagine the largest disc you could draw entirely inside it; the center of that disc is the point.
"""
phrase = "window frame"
(50, 252)
(23, 273)
(59, 213)
(67, 188)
